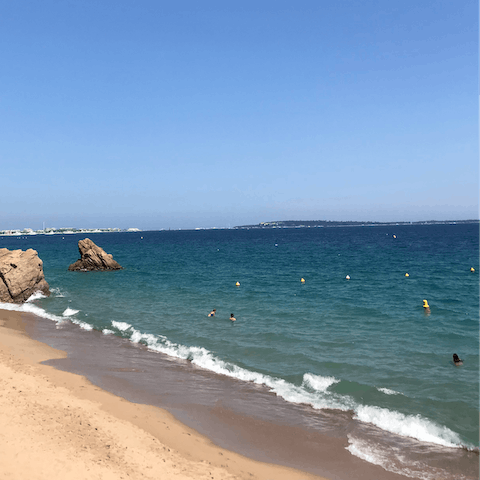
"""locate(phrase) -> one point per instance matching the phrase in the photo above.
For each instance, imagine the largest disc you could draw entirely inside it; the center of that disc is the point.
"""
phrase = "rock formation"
(21, 275)
(93, 257)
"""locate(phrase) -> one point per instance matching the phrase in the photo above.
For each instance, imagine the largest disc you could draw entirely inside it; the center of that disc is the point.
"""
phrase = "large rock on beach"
(21, 275)
(93, 258)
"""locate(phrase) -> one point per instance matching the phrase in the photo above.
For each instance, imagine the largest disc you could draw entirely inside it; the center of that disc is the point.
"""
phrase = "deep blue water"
(363, 344)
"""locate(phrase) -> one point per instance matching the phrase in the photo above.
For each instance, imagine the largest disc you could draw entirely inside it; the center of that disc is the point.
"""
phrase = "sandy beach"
(55, 424)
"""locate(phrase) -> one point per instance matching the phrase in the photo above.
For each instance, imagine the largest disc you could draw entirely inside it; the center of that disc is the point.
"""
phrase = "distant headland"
(332, 223)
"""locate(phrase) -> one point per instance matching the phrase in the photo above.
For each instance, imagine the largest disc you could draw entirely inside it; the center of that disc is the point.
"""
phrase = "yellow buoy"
(472, 269)
(407, 274)
(425, 304)
(302, 280)
(394, 236)
(237, 284)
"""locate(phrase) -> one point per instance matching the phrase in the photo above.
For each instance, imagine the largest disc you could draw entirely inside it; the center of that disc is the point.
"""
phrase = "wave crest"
(414, 426)
(317, 382)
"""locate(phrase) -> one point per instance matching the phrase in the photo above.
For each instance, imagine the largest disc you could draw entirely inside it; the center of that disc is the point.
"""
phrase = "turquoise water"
(363, 344)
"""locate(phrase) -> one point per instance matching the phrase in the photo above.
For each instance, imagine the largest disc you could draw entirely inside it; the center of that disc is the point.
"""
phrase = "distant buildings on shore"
(65, 231)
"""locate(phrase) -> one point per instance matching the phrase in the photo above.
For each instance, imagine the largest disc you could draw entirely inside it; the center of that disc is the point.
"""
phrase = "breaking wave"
(315, 390)
(393, 461)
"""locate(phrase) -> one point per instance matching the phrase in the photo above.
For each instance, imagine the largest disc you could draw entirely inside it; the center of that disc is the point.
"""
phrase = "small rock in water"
(93, 258)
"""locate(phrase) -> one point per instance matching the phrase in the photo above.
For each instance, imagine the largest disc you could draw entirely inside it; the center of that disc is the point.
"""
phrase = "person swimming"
(212, 313)
(232, 318)
(456, 360)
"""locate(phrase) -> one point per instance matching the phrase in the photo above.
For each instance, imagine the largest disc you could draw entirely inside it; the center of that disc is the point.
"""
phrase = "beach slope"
(56, 424)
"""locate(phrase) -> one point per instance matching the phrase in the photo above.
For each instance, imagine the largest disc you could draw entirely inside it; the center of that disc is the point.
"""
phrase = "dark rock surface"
(21, 275)
(93, 258)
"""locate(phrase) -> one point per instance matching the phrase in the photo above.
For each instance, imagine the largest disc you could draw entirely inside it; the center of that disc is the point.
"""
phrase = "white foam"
(313, 391)
(122, 326)
(365, 451)
(84, 325)
(414, 426)
(10, 306)
(317, 382)
(57, 292)
(35, 296)
(60, 324)
(31, 308)
(106, 331)
(387, 391)
(205, 359)
(390, 460)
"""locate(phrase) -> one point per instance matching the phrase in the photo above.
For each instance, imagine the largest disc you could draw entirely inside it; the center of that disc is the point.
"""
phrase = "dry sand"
(57, 425)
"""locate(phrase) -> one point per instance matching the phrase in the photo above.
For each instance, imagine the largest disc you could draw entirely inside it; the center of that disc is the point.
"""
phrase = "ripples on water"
(363, 344)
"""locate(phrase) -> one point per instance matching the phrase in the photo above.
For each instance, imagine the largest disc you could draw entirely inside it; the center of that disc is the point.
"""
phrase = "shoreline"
(166, 405)
(227, 412)
(54, 423)
(300, 391)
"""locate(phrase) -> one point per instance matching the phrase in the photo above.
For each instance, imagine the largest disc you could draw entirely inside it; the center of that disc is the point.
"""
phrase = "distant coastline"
(261, 225)
(329, 223)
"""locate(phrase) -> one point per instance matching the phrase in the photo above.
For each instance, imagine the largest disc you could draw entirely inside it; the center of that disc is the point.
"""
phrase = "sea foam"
(387, 391)
(394, 461)
(317, 382)
(36, 296)
(314, 390)
(319, 398)
(414, 426)
(57, 292)
(122, 326)
(84, 325)
(29, 307)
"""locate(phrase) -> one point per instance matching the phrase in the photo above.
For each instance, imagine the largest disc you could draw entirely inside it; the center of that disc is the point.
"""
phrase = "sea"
(331, 340)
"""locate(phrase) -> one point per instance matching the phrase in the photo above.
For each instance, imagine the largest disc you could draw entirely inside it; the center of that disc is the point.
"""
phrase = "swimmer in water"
(232, 318)
(457, 361)
(212, 313)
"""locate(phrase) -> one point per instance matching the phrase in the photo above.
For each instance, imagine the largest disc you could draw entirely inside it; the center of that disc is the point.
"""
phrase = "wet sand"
(56, 424)
(178, 413)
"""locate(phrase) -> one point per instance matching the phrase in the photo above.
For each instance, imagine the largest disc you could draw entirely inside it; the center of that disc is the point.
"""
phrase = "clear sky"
(200, 113)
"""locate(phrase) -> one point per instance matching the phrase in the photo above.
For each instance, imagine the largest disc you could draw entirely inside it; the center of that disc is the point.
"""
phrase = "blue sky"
(182, 114)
